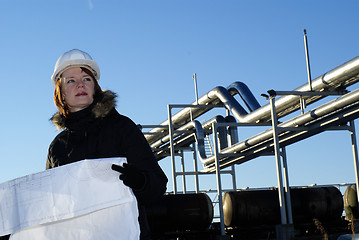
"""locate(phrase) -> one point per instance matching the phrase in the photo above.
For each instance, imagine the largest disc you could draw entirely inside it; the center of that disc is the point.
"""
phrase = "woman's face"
(78, 89)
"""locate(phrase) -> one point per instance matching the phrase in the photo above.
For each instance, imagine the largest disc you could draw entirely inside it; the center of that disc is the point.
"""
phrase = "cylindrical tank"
(351, 203)
(180, 212)
(244, 208)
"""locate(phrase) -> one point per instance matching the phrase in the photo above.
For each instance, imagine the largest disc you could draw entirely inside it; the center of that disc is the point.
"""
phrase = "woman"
(92, 128)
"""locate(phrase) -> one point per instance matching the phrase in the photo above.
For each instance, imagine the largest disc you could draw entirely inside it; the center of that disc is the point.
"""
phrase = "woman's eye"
(70, 81)
(88, 79)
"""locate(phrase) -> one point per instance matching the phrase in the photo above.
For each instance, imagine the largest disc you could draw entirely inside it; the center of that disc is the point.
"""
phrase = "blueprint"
(70, 194)
(114, 223)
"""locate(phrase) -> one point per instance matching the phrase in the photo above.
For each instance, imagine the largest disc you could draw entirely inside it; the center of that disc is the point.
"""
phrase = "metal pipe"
(173, 163)
(199, 139)
(216, 96)
(232, 131)
(307, 60)
(328, 122)
(282, 203)
(199, 135)
(199, 129)
(184, 185)
(287, 187)
(195, 87)
(218, 177)
(355, 157)
(195, 168)
(246, 95)
(300, 120)
(338, 78)
(195, 133)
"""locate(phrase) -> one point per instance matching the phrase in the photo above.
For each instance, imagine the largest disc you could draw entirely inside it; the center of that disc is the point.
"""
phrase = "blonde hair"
(59, 101)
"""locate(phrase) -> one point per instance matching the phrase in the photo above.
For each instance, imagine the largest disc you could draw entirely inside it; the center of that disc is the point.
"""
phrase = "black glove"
(130, 176)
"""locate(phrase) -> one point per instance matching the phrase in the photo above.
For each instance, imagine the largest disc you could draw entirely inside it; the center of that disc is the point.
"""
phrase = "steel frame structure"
(181, 128)
(278, 151)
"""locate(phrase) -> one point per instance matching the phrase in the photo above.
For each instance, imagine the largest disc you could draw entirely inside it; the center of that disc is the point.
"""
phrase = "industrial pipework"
(333, 82)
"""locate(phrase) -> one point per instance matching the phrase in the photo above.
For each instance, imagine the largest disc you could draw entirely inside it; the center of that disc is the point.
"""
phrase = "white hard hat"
(74, 57)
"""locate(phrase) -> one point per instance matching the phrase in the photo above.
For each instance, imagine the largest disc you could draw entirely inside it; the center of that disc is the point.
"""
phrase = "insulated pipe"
(213, 97)
(232, 131)
(340, 117)
(300, 120)
(189, 126)
(197, 136)
(338, 78)
(286, 138)
(246, 95)
(222, 133)
(199, 139)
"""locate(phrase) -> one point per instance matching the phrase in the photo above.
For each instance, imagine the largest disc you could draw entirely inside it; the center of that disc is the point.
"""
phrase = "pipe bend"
(228, 101)
(199, 137)
(199, 133)
(232, 130)
(246, 95)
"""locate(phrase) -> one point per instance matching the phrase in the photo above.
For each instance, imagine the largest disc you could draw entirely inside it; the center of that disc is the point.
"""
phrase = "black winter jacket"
(99, 131)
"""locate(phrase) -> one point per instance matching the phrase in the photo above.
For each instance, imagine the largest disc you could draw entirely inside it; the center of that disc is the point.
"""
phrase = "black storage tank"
(351, 203)
(180, 212)
(256, 207)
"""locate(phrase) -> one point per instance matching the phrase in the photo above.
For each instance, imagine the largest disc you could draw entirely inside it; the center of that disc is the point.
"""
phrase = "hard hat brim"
(87, 63)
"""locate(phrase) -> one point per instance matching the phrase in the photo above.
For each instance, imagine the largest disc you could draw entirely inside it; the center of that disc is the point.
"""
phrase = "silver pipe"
(199, 134)
(188, 127)
(355, 156)
(307, 60)
(232, 131)
(282, 203)
(173, 163)
(184, 136)
(316, 126)
(287, 186)
(340, 77)
(177, 133)
(199, 139)
(195, 87)
(215, 96)
(211, 98)
(300, 120)
(246, 95)
(219, 181)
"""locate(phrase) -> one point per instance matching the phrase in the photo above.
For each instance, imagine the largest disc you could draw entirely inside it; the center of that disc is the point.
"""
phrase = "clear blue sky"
(148, 52)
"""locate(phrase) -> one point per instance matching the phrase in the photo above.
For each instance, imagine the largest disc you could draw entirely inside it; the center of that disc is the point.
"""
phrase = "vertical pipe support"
(233, 169)
(218, 176)
(183, 169)
(173, 163)
(302, 104)
(195, 86)
(355, 155)
(233, 173)
(287, 187)
(307, 60)
(282, 204)
(195, 167)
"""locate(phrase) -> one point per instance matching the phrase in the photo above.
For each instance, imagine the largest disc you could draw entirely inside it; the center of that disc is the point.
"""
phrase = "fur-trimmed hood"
(100, 109)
